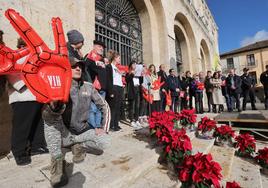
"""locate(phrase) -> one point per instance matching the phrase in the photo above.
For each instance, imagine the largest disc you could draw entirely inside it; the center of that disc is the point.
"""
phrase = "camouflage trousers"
(58, 136)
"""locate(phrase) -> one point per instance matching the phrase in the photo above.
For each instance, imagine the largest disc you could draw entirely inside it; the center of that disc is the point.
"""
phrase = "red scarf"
(92, 55)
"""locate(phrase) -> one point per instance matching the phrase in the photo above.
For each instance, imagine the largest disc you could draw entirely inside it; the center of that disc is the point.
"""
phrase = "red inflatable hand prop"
(148, 97)
(157, 84)
(122, 68)
(168, 98)
(47, 73)
(200, 86)
(8, 57)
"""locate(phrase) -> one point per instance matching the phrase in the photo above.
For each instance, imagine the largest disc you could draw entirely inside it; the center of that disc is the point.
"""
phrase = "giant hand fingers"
(60, 43)
(27, 33)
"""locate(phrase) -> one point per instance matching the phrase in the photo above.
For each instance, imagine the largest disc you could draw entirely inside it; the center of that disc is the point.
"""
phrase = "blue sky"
(240, 22)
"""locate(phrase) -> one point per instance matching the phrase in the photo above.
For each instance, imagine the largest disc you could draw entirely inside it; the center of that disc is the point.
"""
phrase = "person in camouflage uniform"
(66, 125)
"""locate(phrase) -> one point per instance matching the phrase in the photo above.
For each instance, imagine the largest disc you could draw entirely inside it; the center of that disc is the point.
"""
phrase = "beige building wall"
(240, 62)
(161, 21)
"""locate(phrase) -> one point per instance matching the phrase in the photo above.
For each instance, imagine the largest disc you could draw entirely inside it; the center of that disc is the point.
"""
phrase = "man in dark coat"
(162, 74)
(264, 81)
(174, 86)
(233, 83)
(209, 87)
(248, 86)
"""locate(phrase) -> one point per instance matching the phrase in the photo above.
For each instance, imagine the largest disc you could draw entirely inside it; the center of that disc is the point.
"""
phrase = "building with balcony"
(254, 57)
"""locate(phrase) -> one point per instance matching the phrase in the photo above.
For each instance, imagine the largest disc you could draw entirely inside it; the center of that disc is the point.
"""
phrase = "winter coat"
(217, 97)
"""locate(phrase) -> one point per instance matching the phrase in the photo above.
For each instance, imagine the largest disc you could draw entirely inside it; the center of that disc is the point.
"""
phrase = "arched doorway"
(180, 44)
(118, 25)
(205, 55)
(185, 44)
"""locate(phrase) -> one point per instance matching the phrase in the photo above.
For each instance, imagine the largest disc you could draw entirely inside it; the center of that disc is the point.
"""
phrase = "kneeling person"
(66, 125)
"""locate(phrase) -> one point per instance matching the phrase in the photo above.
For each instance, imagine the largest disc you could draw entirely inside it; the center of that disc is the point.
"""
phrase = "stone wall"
(158, 19)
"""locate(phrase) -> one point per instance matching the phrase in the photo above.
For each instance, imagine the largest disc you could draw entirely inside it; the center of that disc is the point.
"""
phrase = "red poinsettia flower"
(232, 185)
(206, 124)
(262, 157)
(224, 132)
(201, 169)
(246, 143)
(187, 117)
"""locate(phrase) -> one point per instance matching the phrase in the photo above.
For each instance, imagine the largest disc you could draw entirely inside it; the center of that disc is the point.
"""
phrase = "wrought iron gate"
(178, 55)
(118, 26)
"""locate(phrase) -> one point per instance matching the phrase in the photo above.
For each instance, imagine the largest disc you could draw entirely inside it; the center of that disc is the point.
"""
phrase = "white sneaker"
(134, 125)
(138, 124)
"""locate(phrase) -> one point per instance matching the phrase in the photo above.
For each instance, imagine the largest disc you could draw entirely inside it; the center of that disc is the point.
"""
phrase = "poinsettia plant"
(232, 185)
(206, 125)
(224, 132)
(178, 146)
(246, 144)
(201, 171)
(262, 157)
(187, 117)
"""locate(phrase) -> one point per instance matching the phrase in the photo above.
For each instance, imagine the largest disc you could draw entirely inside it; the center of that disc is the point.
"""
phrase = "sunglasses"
(77, 65)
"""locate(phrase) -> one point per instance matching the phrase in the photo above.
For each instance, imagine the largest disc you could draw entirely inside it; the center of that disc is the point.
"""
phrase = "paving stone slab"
(125, 161)
(202, 145)
(158, 177)
(246, 172)
(224, 156)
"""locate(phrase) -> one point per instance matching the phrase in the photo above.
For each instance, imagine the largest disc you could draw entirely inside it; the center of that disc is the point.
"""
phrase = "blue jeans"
(95, 115)
(229, 103)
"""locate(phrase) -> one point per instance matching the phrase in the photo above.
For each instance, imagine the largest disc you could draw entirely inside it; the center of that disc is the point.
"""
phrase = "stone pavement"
(131, 161)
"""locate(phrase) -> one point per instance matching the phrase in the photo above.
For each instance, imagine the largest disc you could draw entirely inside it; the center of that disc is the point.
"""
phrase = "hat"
(74, 61)
(75, 37)
(245, 69)
(99, 42)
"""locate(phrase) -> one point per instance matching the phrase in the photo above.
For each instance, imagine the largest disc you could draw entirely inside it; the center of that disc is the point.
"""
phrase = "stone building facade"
(253, 56)
(179, 33)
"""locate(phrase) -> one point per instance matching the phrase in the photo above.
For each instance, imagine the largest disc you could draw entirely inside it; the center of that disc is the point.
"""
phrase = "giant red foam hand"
(46, 72)
(122, 68)
(147, 96)
(157, 84)
(168, 98)
(8, 57)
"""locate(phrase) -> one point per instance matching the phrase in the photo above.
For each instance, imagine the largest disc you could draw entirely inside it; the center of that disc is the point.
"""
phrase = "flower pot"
(223, 142)
(264, 171)
(190, 128)
(205, 135)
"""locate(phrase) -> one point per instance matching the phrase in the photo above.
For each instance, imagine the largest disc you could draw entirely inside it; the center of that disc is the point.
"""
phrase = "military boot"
(58, 177)
(79, 153)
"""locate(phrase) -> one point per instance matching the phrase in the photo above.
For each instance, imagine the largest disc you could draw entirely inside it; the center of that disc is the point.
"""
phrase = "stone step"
(246, 172)
(158, 177)
(202, 145)
(224, 156)
(264, 179)
(126, 160)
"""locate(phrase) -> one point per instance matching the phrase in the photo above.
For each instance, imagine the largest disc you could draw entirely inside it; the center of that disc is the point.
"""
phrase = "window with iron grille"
(118, 26)
(178, 54)
(251, 60)
(230, 63)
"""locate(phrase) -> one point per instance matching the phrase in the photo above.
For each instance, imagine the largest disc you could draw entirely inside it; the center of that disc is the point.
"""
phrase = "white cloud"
(259, 36)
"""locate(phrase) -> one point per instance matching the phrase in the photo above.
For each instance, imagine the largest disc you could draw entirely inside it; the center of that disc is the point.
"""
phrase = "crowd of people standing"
(101, 90)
